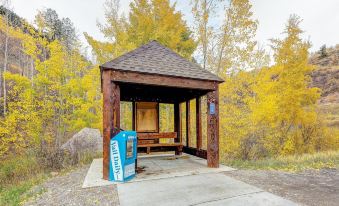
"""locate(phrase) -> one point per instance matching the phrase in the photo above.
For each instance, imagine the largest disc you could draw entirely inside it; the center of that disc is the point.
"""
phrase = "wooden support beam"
(177, 125)
(188, 123)
(133, 116)
(161, 80)
(116, 108)
(198, 123)
(213, 129)
(111, 117)
(107, 119)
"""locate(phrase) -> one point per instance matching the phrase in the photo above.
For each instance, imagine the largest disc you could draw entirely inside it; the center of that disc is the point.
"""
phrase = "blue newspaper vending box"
(123, 154)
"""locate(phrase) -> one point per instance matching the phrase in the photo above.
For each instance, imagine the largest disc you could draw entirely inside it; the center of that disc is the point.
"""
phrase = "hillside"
(326, 77)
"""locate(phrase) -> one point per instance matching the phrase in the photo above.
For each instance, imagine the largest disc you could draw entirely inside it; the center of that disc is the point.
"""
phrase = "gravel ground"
(306, 188)
(66, 190)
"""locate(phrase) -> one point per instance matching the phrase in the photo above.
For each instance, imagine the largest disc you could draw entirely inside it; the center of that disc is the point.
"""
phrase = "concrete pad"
(94, 175)
(174, 166)
(202, 189)
(156, 167)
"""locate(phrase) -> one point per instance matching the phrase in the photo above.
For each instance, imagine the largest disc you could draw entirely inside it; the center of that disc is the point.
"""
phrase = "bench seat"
(151, 140)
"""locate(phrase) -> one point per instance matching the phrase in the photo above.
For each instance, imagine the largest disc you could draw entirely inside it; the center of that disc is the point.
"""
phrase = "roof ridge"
(190, 62)
(129, 54)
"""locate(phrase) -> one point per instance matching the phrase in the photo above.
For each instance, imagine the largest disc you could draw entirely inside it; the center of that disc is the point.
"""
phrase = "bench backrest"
(145, 136)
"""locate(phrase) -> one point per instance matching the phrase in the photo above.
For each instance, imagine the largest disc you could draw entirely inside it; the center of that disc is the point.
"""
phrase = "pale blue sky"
(320, 17)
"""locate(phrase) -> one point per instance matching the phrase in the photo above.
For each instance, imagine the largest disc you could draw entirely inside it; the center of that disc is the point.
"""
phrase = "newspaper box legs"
(123, 154)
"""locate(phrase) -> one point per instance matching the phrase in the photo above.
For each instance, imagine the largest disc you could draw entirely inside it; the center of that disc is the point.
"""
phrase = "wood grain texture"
(116, 108)
(162, 80)
(111, 117)
(171, 135)
(213, 130)
(147, 117)
(107, 119)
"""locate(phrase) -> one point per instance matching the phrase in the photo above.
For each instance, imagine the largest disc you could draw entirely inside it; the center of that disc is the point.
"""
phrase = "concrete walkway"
(202, 189)
(184, 180)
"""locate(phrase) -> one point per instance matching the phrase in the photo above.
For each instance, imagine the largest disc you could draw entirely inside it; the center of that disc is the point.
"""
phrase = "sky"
(320, 17)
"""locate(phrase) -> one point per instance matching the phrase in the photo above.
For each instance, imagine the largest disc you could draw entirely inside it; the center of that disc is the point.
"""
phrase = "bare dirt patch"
(66, 190)
(310, 187)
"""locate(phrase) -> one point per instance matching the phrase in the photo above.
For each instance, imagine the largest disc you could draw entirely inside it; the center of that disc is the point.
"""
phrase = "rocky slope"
(326, 77)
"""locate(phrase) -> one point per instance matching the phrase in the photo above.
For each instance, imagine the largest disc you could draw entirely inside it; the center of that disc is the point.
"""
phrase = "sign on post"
(212, 108)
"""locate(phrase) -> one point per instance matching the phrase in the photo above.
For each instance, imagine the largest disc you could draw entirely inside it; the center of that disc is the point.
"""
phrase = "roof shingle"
(154, 58)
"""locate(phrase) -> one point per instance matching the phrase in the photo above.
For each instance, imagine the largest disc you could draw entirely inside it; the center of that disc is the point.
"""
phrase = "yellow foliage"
(148, 20)
(272, 111)
(61, 97)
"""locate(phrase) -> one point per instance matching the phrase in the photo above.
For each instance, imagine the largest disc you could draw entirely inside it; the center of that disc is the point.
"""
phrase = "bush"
(51, 158)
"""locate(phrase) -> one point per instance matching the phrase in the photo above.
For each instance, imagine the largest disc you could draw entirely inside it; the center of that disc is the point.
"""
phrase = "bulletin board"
(147, 116)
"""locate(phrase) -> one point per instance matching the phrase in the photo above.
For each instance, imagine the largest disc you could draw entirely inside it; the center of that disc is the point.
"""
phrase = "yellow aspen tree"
(284, 100)
(148, 20)
(236, 48)
(202, 11)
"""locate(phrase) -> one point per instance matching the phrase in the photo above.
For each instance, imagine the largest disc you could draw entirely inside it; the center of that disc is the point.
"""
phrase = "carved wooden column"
(111, 116)
(198, 123)
(213, 128)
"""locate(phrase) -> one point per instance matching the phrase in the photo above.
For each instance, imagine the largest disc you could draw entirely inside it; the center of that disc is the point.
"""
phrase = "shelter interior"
(144, 110)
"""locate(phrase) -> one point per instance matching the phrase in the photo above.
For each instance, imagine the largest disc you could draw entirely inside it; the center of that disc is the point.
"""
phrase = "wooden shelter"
(153, 74)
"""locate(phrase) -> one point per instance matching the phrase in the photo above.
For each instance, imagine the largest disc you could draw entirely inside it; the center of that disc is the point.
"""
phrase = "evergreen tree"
(323, 51)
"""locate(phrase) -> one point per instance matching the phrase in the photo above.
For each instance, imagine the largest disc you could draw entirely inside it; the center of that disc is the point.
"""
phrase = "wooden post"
(213, 129)
(177, 125)
(111, 116)
(116, 108)
(107, 119)
(133, 115)
(188, 123)
(133, 128)
(198, 123)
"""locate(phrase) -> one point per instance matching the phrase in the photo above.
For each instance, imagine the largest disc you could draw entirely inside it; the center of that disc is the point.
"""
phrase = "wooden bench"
(151, 140)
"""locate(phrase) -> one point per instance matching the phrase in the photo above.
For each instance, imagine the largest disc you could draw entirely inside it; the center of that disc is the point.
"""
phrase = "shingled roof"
(154, 58)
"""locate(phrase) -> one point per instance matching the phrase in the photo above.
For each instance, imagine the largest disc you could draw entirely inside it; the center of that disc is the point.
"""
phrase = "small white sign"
(129, 170)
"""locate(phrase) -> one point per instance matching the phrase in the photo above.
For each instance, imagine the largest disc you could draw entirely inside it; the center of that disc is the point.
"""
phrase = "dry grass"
(293, 163)
(331, 114)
